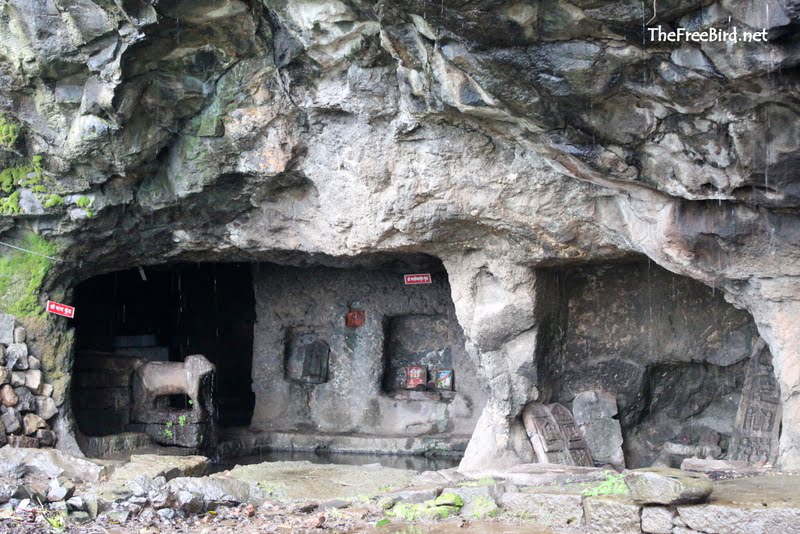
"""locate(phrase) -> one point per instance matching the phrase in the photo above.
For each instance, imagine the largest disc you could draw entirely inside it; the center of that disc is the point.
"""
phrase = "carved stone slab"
(546, 437)
(554, 436)
(575, 443)
(758, 420)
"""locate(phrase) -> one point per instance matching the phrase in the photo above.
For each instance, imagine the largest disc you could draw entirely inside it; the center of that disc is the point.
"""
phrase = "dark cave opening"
(162, 313)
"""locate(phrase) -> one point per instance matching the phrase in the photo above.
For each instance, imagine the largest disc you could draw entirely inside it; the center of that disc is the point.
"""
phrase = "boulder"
(213, 490)
(33, 380)
(22, 442)
(667, 486)
(47, 438)
(7, 396)
(20, 334)
(45, 407)
(12, 420)
(479, 499)
(12, 490)
(76, 503)
(2, 355)
(5, 374)
(7, 323)
(51, 463)
(594, 413)
(657, 520)
(34, 363)
(47, 390)
(31, 423)
(60, 490)
(17, 356)
(26, 402)
(17, 379)
(190, 502)
(613, 514)
(143, 485)
(413, 495)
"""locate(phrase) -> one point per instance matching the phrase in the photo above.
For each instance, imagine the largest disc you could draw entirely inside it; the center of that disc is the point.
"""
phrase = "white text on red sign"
(60, 309)
(413, 279)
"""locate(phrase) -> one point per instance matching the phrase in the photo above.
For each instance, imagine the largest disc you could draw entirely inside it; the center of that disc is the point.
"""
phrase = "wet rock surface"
(496, 136)
(301, 495)
(667, 486)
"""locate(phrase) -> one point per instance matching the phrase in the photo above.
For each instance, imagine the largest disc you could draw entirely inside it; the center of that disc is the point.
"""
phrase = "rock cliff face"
(499, 136)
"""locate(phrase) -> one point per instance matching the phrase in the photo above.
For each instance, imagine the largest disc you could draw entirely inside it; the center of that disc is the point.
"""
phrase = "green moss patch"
(21, 276)
(444, 506)
(9, 132)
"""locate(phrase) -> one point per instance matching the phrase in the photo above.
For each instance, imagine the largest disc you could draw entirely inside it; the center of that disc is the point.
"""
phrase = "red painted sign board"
(60, 309)
(414, 279)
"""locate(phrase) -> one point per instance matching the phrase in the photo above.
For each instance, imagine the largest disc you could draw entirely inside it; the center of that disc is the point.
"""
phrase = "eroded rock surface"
(498, 136)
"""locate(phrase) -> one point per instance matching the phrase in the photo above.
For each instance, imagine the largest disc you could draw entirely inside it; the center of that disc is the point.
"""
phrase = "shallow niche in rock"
(670, 351)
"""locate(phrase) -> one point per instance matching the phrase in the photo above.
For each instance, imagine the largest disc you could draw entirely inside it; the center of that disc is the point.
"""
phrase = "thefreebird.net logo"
(709, 35)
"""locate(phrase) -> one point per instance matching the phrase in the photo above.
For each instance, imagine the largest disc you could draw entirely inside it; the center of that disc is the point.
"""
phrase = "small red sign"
(60, 309)
(414, 279)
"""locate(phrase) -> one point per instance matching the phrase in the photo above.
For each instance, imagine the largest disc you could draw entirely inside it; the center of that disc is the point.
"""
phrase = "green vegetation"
(269, 489)
(53, 201)
(22, 176)
(83, 202)
(444, 506)
(168, 433)
(30, 176)
(614, 484)
(56, 520)
(10, 204)
(483, 507)
(21, 277)
(9, 132)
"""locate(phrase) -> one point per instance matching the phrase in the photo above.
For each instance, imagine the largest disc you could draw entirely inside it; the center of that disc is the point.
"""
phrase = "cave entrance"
(162, 313)
(688, 371)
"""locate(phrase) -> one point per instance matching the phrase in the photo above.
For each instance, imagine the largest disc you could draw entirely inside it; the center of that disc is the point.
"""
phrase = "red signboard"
(60, 309)
(414, 279)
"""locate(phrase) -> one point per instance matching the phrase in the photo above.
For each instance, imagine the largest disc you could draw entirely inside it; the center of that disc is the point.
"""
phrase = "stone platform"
(236, 442)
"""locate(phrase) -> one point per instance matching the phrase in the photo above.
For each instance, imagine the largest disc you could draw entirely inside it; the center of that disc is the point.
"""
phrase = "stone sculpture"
(554, 436)
(192, 427)
(758, 421)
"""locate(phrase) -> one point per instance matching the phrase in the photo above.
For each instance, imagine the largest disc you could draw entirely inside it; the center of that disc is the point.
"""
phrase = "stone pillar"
(779, 324)
(495, 305)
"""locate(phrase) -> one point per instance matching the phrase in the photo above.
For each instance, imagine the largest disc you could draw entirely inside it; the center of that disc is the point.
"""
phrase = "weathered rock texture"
(496, 135)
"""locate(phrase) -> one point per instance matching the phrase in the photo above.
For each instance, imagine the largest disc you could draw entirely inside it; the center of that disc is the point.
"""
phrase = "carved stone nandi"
(154, 382)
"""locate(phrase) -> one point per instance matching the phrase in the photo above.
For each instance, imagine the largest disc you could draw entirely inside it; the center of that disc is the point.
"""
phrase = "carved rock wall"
(499, 136)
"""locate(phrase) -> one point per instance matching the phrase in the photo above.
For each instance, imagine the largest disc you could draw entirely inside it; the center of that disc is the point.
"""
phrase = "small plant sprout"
(182, 420)
(614, 484)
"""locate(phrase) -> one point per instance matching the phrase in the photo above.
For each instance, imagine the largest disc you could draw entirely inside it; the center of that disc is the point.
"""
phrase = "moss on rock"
(444, 506)
(22, 274)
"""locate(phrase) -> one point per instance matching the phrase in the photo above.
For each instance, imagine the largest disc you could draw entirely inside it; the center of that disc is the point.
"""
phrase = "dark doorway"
(163, 313)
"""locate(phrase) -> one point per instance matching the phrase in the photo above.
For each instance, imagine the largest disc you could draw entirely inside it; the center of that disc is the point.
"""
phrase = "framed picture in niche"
(444, 379)
(416, 377)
